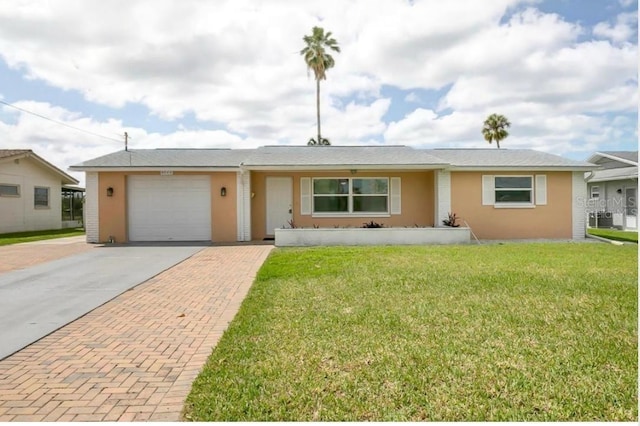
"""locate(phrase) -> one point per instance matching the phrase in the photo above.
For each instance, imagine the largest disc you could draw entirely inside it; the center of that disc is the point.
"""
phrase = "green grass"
(614, 234)
(25, 237)
(512, 332)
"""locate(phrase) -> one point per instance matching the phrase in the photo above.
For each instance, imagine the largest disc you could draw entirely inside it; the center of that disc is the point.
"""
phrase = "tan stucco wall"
(417, 200)
(223, 209)
(553, 220)
(113, 210)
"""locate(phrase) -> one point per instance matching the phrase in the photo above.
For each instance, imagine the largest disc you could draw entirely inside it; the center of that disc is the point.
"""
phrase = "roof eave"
(522, 168)
(79, 168)
(279, 167)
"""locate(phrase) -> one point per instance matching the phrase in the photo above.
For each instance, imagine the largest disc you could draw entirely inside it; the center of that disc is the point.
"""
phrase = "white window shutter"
(305, 196)
(396, 196)
(488, 190)
(541, 190)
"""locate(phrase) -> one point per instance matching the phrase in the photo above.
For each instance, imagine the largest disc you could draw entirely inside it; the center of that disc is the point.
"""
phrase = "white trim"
(541, 190)
(514, 206)
(246, 201)
(578, 207)
(488, 190)
(395, 195)
(91, 208)
(591, 191)
(305, 196)
(443, 196)
(239, 208)
(347, 215)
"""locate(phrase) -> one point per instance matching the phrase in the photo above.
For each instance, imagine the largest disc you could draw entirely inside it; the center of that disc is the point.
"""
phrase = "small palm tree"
(317, 59)
(495, 128)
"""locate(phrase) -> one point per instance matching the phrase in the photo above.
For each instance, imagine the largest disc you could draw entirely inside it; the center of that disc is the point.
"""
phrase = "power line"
(60, 122)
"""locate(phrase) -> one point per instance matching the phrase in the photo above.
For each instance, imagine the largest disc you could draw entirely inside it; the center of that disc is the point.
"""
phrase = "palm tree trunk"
(318, 108)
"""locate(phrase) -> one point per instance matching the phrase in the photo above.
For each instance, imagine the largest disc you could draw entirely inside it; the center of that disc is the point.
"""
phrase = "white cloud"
(237, 62)
(624, 29)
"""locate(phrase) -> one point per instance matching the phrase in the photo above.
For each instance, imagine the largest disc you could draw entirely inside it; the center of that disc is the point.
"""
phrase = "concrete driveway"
(38, 300)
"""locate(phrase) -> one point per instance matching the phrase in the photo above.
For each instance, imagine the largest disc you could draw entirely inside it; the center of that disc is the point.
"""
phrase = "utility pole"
(126, 141)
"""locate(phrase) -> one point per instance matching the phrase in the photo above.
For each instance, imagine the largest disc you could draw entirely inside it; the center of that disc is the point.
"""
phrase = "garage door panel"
(169, 208)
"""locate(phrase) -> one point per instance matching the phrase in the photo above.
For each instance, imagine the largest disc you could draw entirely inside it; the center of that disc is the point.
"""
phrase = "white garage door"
(169, 208)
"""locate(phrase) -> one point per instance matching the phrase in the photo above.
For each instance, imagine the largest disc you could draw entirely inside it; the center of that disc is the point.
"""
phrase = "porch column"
(91, 208)
(442, 201)
(579, 211)
(243, 206)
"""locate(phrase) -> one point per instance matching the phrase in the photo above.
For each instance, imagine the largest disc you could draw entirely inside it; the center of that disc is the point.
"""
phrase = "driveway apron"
(40, 299)
(135, 357)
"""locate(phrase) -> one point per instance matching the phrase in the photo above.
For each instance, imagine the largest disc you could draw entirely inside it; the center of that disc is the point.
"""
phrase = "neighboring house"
(30, 192)
(613, 190)
(225, 195)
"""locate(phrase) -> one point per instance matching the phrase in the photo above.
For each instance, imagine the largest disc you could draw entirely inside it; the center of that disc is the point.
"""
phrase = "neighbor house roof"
(331, 157)
(16, 154)
(620, 173)
(626, 157)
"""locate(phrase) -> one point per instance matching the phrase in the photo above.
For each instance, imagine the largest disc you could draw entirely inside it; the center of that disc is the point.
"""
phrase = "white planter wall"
(370, 236)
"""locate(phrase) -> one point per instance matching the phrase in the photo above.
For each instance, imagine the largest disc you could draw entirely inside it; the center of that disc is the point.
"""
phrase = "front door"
(631, 208)
(279, 203)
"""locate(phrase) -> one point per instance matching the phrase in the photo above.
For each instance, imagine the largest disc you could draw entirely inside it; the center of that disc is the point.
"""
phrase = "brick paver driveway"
(19, 256)
(134, 358)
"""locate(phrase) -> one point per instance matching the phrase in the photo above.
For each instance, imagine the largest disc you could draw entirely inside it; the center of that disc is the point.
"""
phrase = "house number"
(166, 172)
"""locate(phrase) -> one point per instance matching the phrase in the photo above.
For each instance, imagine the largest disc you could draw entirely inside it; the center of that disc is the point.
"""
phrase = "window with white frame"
(9, 190)
(351, 195)
(40, 197)
(514, 189)
(595, 191)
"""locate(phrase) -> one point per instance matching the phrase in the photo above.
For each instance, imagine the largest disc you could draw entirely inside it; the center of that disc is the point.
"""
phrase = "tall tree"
(495, 128)
(316, 55)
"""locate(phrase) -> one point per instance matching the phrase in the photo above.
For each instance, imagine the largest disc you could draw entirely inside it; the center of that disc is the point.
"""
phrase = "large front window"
(351, 195)
(514, 189)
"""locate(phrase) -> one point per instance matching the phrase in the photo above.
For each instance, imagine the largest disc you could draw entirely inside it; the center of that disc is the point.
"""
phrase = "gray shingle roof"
(168, 158)
(487, 157)
(317, 156)
(331, 157)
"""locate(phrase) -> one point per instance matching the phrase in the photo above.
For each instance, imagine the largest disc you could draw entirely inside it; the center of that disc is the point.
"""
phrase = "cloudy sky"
(424, 73)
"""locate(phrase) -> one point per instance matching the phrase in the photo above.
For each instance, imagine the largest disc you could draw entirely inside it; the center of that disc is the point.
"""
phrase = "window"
(9, 190)
(351, 195)
(595, 191)
(514, 189)
(40, 197)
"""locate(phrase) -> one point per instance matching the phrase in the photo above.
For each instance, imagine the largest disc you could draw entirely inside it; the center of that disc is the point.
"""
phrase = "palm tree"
(317, 59)
(495, 128)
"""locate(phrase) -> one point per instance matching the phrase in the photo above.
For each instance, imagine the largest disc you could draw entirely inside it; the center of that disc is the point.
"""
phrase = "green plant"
(372, 224)
(451, 221)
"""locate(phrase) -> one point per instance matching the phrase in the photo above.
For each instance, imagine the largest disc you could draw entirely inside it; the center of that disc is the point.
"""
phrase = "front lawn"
(614, 234)
(513, 332)
(25, 237)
